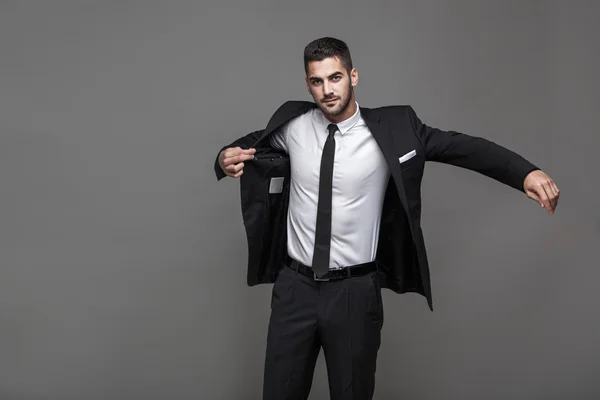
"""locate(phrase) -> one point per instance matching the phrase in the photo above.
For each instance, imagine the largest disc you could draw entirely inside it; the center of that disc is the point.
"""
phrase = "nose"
(327, 90)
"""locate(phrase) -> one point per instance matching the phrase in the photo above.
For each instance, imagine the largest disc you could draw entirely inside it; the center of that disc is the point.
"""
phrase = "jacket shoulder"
(395, 114)
(396, 110)
(287, 111)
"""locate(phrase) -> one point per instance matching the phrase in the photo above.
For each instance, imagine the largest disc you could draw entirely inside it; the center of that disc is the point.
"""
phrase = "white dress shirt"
(360, 176)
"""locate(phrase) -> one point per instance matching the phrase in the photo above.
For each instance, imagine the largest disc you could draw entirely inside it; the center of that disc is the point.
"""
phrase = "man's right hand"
(232, 160)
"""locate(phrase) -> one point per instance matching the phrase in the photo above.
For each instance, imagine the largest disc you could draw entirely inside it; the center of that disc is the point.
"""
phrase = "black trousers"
(344, 317)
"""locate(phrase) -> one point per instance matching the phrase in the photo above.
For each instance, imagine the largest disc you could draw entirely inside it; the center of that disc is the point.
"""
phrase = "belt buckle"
(316, 278)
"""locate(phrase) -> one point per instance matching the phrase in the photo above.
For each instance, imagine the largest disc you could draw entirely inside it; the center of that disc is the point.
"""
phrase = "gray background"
(122, 261)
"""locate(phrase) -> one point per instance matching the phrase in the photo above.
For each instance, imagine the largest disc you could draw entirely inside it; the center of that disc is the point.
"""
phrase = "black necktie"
(320, 262)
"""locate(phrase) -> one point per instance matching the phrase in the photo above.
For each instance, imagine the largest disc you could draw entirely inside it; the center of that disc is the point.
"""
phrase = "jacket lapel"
(383, 136)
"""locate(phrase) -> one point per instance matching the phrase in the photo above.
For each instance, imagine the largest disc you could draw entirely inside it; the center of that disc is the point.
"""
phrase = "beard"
(340, 107)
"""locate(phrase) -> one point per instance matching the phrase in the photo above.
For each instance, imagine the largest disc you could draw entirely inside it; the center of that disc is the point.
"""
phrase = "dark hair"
(326, 47)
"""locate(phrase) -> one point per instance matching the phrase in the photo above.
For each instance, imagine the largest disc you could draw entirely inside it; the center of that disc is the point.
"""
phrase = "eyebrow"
(329, 77)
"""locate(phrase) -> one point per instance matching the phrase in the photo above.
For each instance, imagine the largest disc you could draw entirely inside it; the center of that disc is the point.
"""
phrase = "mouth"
(330, 101)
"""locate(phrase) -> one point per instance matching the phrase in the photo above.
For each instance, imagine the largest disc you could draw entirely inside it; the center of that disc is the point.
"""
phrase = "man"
(352, 178)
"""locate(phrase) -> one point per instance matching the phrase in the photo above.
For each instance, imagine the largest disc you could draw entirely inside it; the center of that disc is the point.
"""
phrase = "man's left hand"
(541, 188)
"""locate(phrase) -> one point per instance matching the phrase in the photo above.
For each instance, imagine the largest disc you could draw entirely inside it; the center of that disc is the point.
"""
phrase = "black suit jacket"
(401, 254)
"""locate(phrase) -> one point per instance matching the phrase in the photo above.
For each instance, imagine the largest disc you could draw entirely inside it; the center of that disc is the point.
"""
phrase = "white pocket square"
(408, 156)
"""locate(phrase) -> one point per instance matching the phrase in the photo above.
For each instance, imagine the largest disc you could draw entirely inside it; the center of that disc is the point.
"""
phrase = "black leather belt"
(333, 274)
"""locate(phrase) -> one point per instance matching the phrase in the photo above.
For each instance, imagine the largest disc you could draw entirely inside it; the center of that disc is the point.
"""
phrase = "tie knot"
(332, 128)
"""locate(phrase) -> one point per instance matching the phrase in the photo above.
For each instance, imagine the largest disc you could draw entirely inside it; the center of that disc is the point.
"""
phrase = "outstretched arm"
(488, 158)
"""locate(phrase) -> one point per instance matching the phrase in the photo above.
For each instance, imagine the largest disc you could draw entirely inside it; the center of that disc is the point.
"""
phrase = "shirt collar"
(346, 124)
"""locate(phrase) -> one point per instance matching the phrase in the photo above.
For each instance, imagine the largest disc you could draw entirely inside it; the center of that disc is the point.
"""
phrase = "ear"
(307, 85)
(354, 77)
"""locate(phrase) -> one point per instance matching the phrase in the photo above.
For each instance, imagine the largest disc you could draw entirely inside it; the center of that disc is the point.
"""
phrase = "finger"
(235, 151)
(553, 190)
(553, 195)
(238, 159)
(232, 152)
(228, 152)
(546, 199)
(538, 195)
(231, 168)
(532, 195)
(235, 171)
(236, 167)
(556, 190)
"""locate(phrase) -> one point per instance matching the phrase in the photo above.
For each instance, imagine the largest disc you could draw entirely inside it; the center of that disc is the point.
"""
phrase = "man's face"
(330, 85)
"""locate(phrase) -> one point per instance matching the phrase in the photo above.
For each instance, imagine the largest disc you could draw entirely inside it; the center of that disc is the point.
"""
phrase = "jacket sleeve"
(244, 142)
(473, 153)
